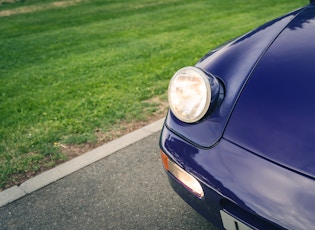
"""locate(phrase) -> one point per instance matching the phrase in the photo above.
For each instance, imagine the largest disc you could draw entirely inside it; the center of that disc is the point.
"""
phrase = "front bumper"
(256, 192)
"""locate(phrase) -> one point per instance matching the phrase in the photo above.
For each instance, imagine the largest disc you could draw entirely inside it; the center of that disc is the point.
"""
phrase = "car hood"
(275, 114)
(232, 64)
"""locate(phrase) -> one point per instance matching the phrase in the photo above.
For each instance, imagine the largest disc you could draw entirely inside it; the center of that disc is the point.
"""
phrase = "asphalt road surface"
(126, 190)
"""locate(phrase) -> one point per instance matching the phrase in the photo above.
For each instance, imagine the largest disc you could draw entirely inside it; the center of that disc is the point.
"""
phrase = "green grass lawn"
(72, 69)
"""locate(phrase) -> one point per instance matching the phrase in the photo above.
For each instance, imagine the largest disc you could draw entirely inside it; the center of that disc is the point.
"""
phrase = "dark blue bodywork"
(255, 154)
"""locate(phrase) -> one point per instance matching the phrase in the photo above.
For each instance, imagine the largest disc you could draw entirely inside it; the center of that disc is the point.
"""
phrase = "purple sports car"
(238, 143)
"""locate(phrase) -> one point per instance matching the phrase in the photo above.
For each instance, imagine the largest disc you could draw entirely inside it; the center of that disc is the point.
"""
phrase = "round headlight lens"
(189, 94)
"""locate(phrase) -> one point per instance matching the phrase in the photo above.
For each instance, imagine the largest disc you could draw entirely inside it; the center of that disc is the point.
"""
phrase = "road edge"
(16, 192)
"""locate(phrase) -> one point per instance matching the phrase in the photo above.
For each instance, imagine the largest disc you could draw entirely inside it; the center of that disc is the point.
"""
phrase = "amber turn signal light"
(187, 180)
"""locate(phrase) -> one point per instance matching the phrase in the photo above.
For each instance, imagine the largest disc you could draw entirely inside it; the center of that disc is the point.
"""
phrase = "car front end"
(237, 142)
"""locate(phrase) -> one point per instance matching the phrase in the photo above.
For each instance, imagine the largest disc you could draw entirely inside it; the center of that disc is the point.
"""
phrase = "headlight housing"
(190, 93)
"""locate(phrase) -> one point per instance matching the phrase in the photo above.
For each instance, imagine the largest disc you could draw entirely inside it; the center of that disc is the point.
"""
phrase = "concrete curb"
(60, 171)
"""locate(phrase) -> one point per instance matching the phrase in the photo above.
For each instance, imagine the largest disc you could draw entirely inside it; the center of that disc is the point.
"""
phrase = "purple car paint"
(254, 154)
